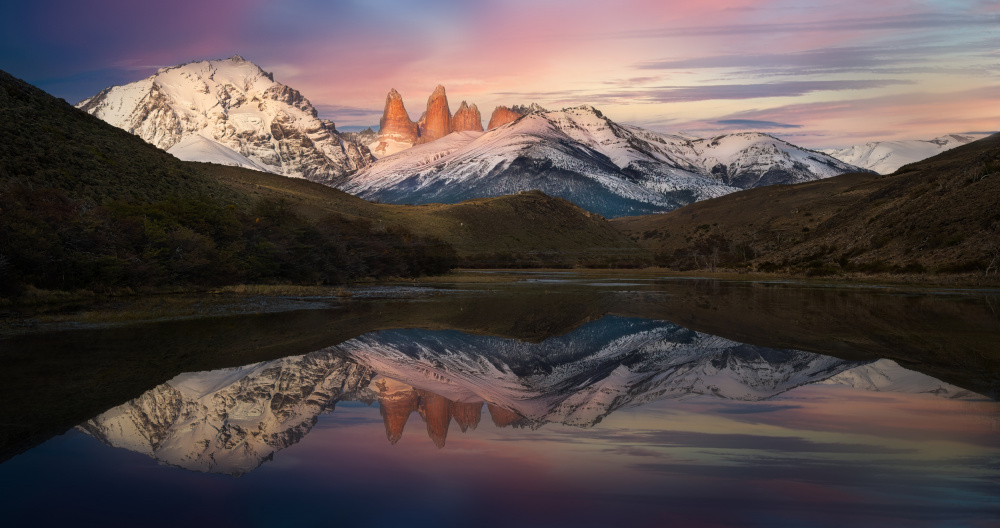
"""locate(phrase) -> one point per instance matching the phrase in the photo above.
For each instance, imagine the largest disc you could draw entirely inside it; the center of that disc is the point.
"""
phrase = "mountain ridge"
(580, 155)
(235, 103)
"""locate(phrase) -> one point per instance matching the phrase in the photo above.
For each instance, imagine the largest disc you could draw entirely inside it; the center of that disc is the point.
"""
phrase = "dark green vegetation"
(940, 215)
(84, 205)
(525, 230)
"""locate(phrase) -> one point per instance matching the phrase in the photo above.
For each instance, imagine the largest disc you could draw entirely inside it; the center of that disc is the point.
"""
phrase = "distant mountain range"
(886, 157)
(232, 112)
(582, 156)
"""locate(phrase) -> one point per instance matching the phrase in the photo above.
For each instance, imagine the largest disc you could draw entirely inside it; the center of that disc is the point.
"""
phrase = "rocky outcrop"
(395, 121)
(502, 417)
(501, 116)
(436, 122)
(467, 415)
(467, 118)
(436, 411)
(396, 409)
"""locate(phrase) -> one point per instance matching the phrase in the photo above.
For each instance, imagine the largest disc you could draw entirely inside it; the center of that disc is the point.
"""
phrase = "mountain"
(528, 229)
(90, 207)
(886, 375)
(242, 116)
(582, 156)
(232, 420)
(581, 377)
(938, 214)
(885, 157)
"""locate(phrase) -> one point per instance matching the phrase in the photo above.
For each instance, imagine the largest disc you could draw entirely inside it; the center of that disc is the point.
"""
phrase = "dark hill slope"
(47, 144)
(525, 229)
(84, 205)
(941, 214)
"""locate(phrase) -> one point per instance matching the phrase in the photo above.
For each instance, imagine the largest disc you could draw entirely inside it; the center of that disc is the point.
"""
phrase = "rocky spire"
(502, 417)
(501, 116)
(436, 410)
(467, 118)
(467, 415)
(395, 121)
(437, 123)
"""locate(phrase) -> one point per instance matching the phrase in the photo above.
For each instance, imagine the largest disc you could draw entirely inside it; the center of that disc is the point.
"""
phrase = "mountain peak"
(395, 120)
(251, 119)
(501, 116)
(437, 121)
(467, 118)
(533, 108)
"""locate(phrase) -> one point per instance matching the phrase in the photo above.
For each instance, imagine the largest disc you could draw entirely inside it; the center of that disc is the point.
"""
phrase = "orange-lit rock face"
(437, 121)
(501, 116)
(467, 415)
(502, 417)
(395, 121)
(467, 118)
(395, 410)
(436, 410)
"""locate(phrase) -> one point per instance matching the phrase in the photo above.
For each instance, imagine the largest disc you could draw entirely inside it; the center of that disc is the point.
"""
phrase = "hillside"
(89, 206)
(526, 229)
(46, 143)
(936, 215)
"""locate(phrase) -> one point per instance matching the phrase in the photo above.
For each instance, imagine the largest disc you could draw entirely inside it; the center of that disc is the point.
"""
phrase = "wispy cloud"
(906, 22)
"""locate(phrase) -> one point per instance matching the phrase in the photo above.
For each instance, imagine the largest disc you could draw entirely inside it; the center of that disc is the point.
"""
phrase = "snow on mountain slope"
(581, 155)
(232, 420)
(201, 148)
(886, 157)
(886, 375)
(236, 104)
(581, 377)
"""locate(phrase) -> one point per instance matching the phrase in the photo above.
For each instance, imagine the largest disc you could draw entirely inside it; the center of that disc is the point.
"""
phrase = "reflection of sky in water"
(818, 455)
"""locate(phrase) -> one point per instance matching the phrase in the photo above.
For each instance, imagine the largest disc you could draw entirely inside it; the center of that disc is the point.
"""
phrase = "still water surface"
(585, 403)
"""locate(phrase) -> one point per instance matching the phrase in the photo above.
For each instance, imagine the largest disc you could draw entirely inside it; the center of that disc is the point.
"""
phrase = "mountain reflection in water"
(563, 404)
(232, 420)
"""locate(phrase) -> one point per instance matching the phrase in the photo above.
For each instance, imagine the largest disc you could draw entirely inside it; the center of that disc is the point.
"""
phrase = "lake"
(559, 399)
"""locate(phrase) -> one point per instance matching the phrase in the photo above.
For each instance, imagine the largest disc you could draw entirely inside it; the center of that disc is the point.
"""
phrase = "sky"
(817, 73)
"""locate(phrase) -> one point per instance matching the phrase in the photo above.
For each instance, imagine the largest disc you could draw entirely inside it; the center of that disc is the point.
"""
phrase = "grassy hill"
(938, 215)
(85, 205)
(89, 206)
(529, 229)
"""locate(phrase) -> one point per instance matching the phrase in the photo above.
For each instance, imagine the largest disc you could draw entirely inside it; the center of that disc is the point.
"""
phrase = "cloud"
(908, 22)
(735, 441)
(687, 94)
(341, 112)
(753, 123)
(899, 58)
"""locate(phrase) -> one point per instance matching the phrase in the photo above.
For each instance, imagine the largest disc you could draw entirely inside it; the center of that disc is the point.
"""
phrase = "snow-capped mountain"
(230, 112)
(232, 420)
(581, 377)
(885, 157)
(582, 156)
(886, 375)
